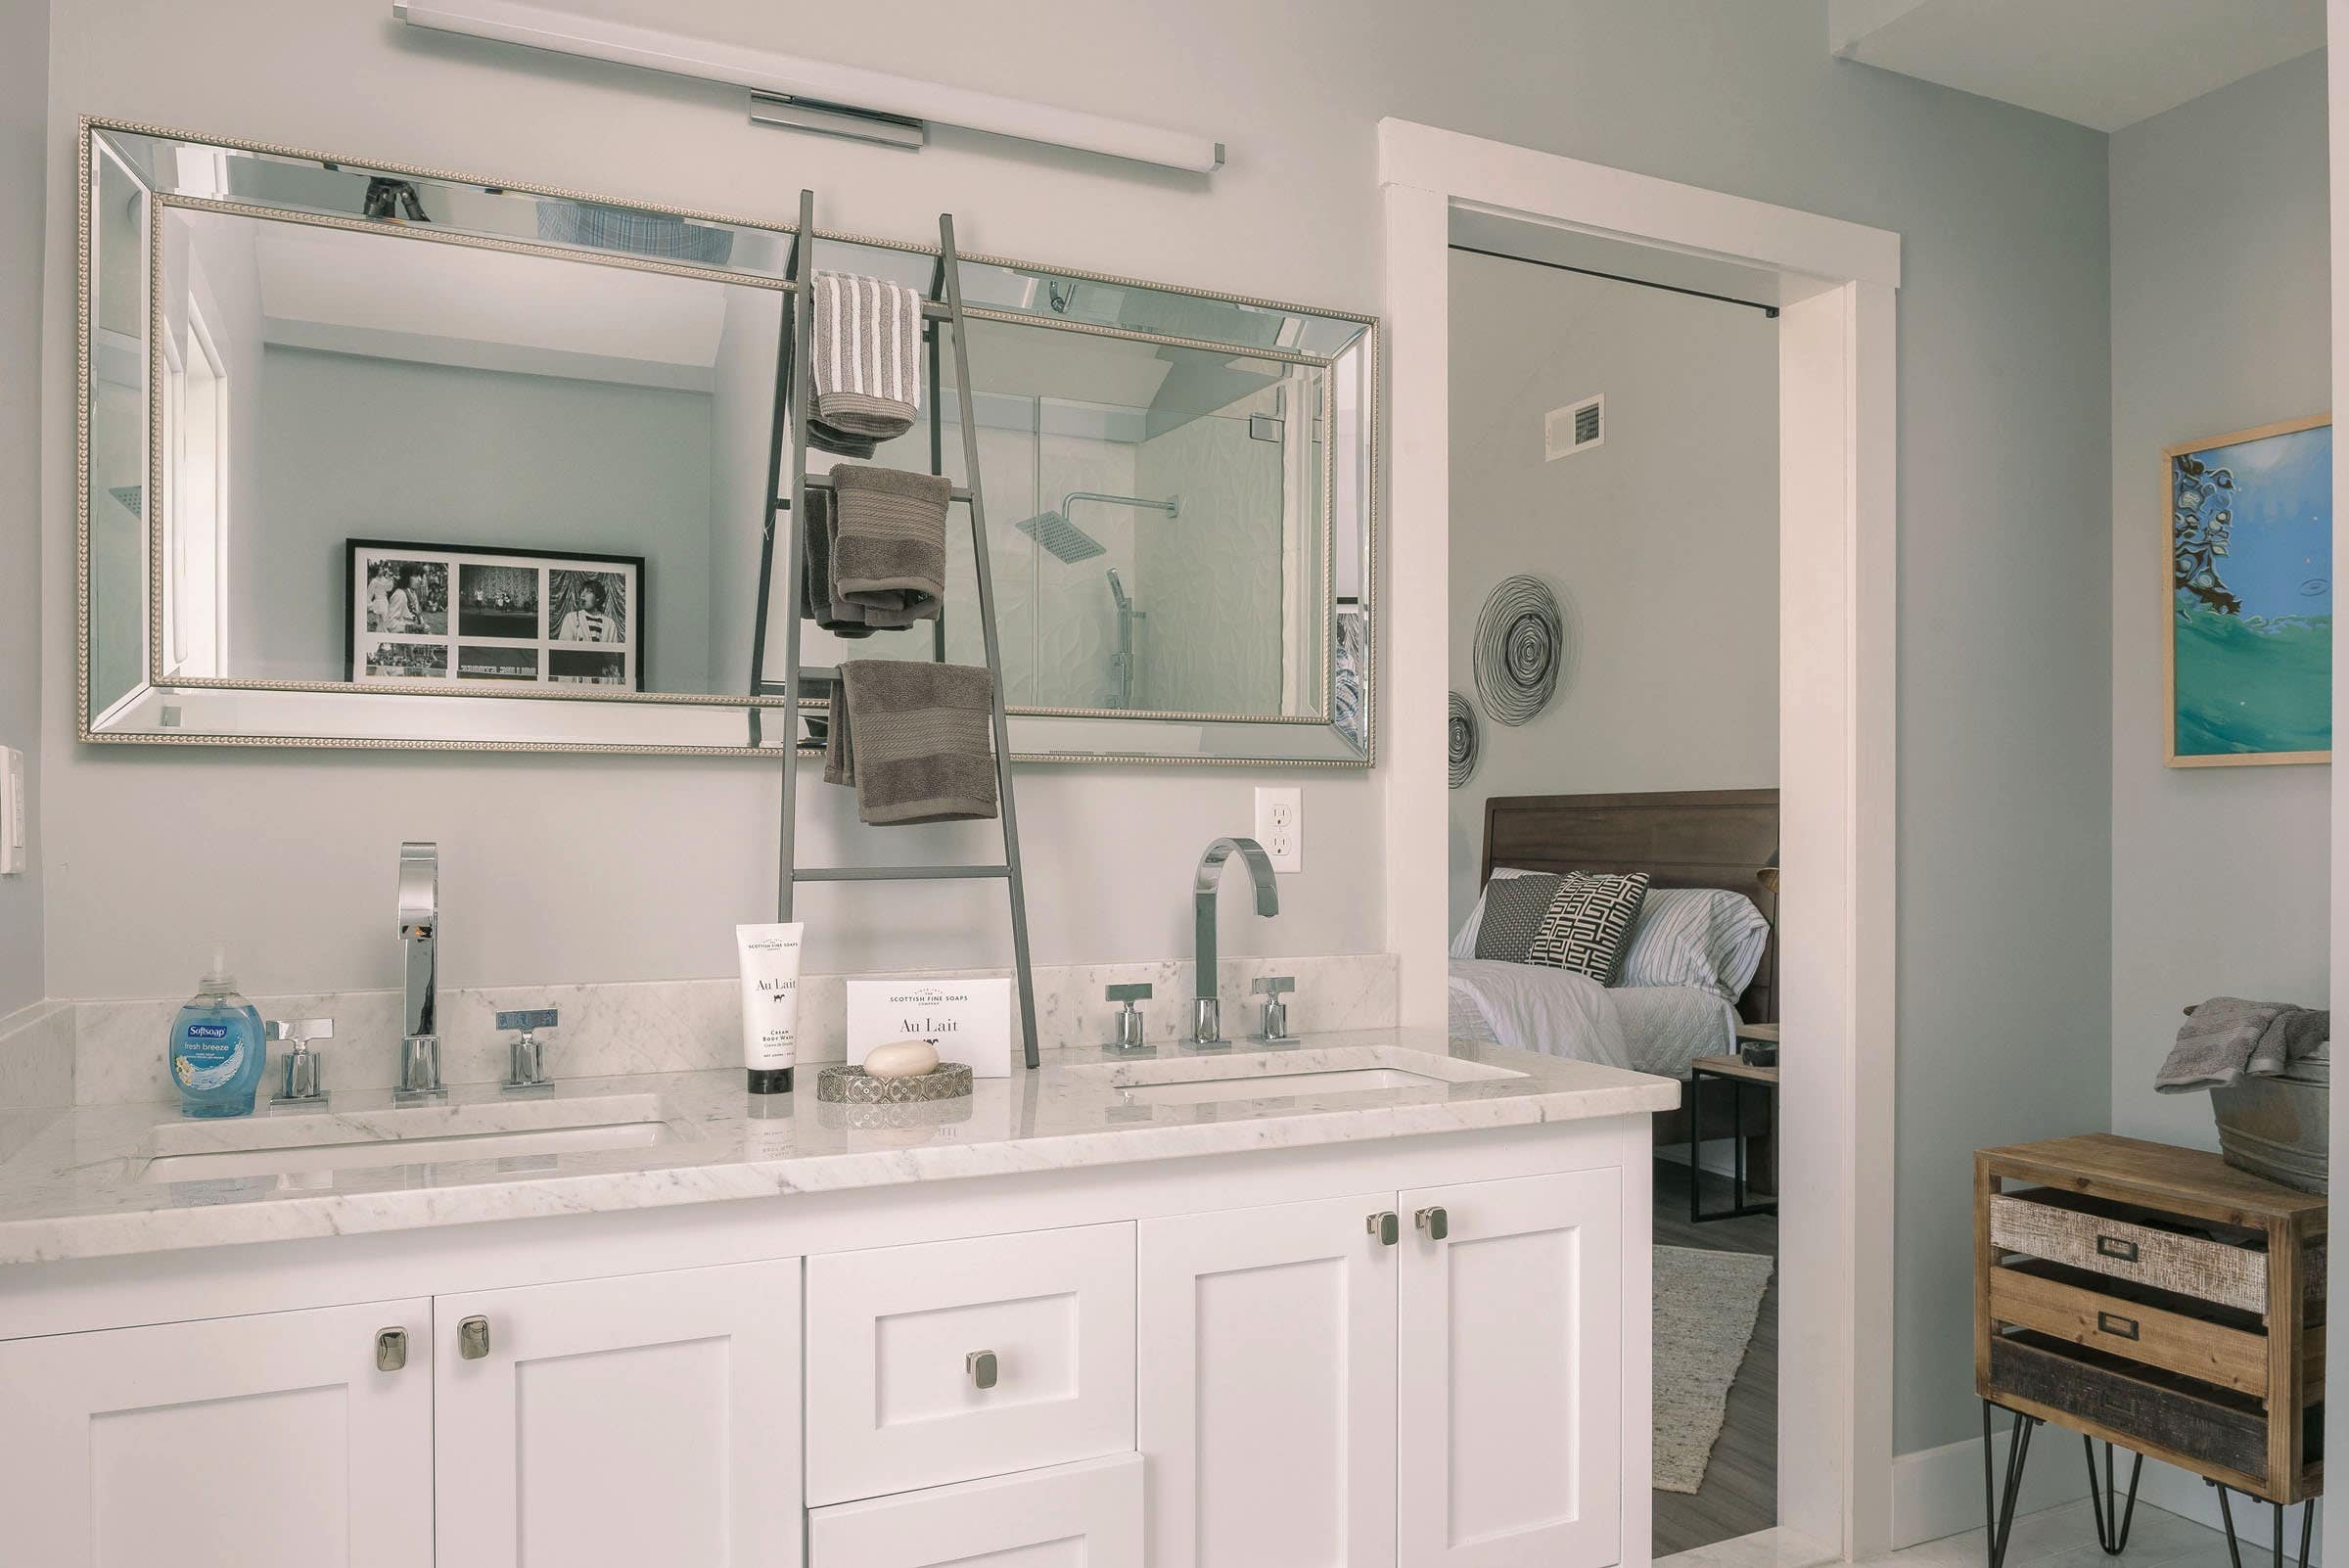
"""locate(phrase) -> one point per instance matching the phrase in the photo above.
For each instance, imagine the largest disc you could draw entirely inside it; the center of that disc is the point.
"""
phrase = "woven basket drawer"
(2140, 1408)
(2044, 1225)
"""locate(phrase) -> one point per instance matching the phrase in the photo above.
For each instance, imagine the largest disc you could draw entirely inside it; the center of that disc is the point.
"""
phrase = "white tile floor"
(2058, 1538)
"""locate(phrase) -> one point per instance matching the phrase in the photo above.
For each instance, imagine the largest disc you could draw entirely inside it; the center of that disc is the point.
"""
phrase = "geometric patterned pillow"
(1513, 912)
(1589, 923)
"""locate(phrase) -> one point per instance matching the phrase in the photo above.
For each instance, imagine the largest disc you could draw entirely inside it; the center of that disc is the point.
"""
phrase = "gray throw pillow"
(1589, 923)
(1513, 912)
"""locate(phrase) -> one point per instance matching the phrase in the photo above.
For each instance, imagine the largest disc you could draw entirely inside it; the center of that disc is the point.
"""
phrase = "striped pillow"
(1708, 938)
(1588, 921)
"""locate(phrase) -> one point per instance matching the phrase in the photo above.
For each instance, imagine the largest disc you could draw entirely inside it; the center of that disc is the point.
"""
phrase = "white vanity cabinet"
(646, 1419)
(651, 1418)
(269, 1441)
(1313, 1393)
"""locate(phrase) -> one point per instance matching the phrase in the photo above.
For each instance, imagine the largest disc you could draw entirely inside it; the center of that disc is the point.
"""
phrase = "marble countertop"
(97, 1181)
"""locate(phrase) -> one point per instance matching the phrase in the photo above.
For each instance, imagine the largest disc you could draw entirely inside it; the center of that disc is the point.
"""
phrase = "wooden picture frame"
(2191, 558)
(474, 616)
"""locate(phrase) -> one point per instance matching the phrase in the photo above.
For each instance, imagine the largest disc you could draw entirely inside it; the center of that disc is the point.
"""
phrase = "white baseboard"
(1938, 1492)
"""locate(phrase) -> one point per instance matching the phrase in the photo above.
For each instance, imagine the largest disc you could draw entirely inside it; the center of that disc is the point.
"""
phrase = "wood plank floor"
(1740, 1493)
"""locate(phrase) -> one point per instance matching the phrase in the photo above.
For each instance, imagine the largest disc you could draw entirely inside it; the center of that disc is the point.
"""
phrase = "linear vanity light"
(814, 93)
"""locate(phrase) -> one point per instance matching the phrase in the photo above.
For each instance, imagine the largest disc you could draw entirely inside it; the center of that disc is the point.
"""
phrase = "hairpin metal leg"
(2112, 1519)
(1997, 1503)
(2235, 1555)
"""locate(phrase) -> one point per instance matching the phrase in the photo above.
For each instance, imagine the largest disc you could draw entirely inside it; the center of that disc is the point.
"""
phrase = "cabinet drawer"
(896, 1341)
(2110, 1239)
(1090, 1513)
(2138, 1407)
(2224, 1353)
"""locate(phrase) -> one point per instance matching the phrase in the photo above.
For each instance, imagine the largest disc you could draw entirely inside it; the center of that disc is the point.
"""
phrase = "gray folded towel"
(2228, 1038)
(866, 353)
(817, 599)
(913, 740)
(824, 437)
(889, 543)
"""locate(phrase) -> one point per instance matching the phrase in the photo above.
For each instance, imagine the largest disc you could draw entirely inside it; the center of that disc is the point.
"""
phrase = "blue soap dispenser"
(216, 1048)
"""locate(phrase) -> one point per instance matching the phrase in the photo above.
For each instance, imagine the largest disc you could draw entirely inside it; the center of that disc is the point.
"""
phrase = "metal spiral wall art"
(1462, 738)
(1519, 641)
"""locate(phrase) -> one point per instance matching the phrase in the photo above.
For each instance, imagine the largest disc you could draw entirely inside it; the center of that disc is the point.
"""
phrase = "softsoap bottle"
(216, 1048)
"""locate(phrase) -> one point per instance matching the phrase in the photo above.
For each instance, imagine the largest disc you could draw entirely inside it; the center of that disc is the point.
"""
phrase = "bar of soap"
(900, 1058)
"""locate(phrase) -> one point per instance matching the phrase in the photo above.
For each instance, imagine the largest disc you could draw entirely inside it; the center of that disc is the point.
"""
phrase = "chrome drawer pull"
(2115, 1247)
(473, 1338)
(391, 1349)
(981, 1365)
(2117, 1327)
(1435, 1221)
(1384, 1226)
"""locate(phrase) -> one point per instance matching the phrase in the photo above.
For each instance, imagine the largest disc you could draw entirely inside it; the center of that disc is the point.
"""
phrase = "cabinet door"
(265, 1441)
(1509, 1384)
(1082, 1515)
(1266, 1390)
(609, 1423)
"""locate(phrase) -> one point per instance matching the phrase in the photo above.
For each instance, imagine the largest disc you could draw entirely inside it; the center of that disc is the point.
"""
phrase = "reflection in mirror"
(1158, 524)
(117, 434)
(453, 468)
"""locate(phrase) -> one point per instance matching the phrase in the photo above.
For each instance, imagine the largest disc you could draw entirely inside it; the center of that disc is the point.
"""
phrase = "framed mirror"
(381, 456)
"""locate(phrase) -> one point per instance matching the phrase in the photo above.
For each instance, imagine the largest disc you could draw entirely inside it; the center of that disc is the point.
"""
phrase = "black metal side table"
(1739, 1072)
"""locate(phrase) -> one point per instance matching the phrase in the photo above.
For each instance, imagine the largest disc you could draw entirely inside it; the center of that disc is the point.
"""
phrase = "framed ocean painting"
(2250, 650)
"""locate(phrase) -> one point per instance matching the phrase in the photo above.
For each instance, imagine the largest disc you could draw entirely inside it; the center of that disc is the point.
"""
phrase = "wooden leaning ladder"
(794, 394)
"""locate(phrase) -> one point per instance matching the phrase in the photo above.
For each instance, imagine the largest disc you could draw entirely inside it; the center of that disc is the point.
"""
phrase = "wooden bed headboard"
(1682, 839)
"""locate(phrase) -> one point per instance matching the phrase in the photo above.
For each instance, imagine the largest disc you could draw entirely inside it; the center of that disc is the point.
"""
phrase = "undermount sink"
(330, 1141)
(1288, 1073)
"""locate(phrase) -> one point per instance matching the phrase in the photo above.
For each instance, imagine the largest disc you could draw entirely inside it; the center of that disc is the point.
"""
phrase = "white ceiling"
(2104, 64)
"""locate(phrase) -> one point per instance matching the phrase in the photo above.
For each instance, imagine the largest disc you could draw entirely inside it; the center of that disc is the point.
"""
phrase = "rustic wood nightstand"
(2160, 1300)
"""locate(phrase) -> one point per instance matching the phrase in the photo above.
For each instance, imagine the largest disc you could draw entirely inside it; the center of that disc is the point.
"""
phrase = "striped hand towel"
(867, 356)
(912, 739)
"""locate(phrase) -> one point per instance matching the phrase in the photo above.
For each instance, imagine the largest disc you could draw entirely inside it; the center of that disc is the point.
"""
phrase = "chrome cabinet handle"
(390, 1349)
(1435, 1221)
(981, 1365)
(473, 1338)
(1385, 1226)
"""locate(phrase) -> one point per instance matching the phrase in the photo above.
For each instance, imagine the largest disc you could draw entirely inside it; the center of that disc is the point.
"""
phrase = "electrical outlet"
(13, 832)
(1280, 826)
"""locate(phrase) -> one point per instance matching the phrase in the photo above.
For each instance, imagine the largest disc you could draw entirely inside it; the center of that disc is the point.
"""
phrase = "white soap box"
(969, 1021)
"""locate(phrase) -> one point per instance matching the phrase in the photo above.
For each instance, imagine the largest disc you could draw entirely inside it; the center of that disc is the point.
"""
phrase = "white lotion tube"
(771, 1003)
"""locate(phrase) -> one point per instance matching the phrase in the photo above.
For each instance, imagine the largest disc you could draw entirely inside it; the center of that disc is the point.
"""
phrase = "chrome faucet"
(420, 940)
(1207, 1012)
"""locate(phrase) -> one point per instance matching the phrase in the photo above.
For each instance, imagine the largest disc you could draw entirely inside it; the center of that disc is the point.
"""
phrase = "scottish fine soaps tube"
(771, 1003)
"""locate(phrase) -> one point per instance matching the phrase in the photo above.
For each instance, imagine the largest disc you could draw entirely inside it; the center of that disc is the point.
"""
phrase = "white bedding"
(1648, 1029)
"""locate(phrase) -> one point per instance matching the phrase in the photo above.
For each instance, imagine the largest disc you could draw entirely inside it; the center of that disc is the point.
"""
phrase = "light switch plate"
(13, 830)
(1280, 825)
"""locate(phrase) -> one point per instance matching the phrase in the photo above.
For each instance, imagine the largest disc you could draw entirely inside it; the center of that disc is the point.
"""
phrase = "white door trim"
(1838, 600)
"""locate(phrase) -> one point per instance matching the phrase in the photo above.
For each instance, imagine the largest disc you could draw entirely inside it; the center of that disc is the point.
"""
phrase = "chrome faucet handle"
(304, 1084)
(1276, 1012)
(526, 1056)
(1131, 1034)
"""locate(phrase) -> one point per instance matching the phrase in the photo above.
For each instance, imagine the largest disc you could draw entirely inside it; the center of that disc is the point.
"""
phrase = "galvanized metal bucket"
(2276, 1127)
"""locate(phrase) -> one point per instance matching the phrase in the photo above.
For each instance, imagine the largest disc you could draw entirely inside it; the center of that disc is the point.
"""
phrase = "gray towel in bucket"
(912, 739)
(889, 543)
(2226, 1038)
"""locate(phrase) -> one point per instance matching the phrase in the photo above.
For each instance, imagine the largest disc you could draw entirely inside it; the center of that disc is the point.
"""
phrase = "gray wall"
(2220, 321)
(23, 102)
(1661, 542)
(360, 448)
(565, 869)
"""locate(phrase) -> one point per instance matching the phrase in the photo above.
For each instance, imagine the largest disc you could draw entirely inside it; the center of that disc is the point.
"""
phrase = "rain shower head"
(1071, 543)
(1064, 539)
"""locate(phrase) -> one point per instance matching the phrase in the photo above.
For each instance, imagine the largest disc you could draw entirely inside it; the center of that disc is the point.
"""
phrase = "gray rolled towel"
(2228, 1038)
(889, 543)
(866, 353)
(913, 740)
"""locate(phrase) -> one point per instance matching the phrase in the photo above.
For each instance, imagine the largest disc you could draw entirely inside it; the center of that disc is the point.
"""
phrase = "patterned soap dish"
(844, 1084)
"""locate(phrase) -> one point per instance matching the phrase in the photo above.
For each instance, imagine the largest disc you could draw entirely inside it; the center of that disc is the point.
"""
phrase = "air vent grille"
(1577, 427)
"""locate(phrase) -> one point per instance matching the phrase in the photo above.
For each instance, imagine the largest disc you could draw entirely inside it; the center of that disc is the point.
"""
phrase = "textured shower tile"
(36, 1056)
